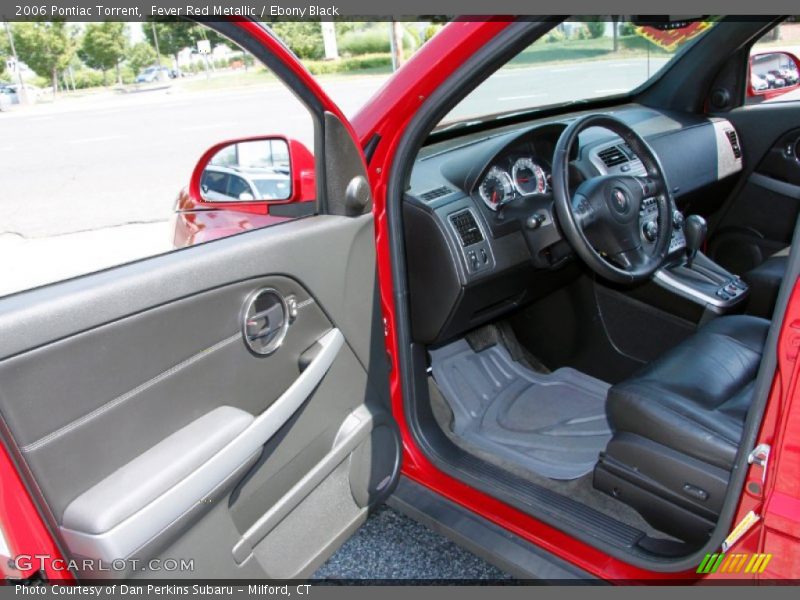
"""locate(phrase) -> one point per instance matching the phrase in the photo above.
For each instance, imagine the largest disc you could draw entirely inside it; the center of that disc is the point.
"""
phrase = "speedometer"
(529, 178)
(496, 188)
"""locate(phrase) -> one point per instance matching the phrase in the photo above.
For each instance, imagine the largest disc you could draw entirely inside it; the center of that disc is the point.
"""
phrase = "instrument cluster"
(519, 176)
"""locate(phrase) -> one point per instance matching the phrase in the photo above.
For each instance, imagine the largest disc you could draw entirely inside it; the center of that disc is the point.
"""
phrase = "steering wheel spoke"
(584, 210)
(630, 259)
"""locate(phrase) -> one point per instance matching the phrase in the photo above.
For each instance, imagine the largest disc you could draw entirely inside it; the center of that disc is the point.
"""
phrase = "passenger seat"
(765, 282)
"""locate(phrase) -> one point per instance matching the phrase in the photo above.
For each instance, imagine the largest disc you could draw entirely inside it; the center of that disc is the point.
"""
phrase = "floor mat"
(552, 424)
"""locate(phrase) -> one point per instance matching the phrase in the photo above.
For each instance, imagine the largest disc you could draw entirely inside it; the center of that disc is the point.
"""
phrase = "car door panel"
(759, 218)
(106, 377)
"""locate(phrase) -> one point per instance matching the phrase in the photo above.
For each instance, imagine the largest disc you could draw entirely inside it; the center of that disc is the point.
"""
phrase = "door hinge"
(760, 456)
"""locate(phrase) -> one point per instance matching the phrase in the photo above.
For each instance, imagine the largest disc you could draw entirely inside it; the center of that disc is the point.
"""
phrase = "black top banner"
(140, 10)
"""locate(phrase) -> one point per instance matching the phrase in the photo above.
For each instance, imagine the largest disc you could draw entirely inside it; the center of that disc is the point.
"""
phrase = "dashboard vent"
(613, 156)
(734, 140)
(467, 228)
(435, 193)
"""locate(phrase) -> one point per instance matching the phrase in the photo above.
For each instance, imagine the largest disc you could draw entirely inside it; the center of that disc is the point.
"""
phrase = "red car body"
(387, 114)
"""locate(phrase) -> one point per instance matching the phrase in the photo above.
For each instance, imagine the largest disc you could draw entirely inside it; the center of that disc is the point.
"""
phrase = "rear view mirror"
(773, 74)
(270, 169)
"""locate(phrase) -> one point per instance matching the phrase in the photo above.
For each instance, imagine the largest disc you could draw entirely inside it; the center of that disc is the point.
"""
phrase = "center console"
(692, 275)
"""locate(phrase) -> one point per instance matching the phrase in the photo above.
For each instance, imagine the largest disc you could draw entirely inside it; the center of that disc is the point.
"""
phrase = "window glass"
(774, 65)
(576, 61)
(96, 160)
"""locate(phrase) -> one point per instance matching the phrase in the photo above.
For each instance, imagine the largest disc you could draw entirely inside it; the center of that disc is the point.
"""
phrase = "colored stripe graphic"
(734, 563)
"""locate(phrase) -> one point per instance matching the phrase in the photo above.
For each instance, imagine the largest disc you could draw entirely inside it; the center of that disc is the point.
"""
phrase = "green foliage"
(375, 40)
(627, 28)
(431, 30)
(4, 54)
(141, 55)
(46, 47)
(303, 37)
(104, 45)
(173, 36)
(596, 27)
(555, 35)
(88, 78)
(347, 65)
(366, 41)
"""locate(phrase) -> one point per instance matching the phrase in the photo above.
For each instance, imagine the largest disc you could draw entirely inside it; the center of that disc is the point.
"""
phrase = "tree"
(104, 46)
(47, 47)
(596, 27)
(173, 36)
(303, 37)
(4, 53)
(141, 55)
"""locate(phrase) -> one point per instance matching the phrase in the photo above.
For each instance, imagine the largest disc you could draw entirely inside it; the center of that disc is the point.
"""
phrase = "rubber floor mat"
(553, 424)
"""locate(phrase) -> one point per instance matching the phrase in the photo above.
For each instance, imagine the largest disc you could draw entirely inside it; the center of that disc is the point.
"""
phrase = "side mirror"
(254, 172)
(772, 74)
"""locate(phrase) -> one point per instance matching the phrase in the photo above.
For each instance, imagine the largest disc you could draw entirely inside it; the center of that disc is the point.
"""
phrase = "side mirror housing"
(772, 74)
(250, 174)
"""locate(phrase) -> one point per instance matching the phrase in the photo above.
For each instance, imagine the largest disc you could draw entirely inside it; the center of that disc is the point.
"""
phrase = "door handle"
(265, 321)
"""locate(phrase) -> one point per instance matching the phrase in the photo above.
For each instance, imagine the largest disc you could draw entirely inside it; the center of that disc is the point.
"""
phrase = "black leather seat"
(765, 282)
(678, 423)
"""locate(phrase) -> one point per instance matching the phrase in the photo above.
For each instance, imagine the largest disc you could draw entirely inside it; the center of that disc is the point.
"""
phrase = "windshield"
(576, 61)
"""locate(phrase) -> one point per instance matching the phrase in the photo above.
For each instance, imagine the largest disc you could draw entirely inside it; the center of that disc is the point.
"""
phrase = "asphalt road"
(76, 173)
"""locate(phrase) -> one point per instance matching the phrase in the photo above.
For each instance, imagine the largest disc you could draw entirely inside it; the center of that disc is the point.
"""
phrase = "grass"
(582, 50)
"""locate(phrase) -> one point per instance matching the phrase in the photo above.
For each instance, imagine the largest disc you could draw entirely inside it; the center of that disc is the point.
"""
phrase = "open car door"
(224, 406)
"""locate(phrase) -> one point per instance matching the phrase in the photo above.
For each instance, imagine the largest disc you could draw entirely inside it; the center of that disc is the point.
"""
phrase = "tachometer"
(529, 178)
(496, 188)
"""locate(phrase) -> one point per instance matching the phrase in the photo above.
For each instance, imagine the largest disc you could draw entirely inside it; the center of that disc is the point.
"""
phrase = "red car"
(565, 336)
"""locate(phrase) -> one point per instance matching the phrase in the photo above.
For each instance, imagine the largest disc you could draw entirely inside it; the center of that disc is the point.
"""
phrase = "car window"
(238, 186)
(774, 65)
(273, 189)
(214, 181)
(97, 171)
(579, 60)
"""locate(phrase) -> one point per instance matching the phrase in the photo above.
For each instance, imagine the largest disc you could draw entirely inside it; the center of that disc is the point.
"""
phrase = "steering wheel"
(601, 219)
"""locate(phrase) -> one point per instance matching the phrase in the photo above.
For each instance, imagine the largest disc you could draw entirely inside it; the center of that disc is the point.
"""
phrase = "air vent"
(613, 156)
(734, 140)
(435, 193)
(467, 228)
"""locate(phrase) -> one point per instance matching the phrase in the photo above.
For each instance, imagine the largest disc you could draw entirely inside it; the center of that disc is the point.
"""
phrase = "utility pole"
(155, 41)
(21, 92)
(396, 44)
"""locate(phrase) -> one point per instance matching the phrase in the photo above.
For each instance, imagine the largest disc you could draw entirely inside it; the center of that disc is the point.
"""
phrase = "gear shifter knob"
(694, 229)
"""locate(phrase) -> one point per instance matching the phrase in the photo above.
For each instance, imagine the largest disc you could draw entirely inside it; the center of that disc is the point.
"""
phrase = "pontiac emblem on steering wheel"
(620, 200)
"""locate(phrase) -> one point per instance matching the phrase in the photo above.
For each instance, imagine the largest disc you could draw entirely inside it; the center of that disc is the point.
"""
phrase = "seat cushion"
(765, 282)
(695, 397)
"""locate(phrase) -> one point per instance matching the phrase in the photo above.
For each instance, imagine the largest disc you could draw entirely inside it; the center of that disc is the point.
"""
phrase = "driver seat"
(677, 427)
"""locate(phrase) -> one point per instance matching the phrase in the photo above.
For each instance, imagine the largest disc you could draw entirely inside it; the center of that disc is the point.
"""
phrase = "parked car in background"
(790, 75)
(224, 184)
(5, 98)
(12, 92)
(759, 83)
(154, 74)
(779, 80)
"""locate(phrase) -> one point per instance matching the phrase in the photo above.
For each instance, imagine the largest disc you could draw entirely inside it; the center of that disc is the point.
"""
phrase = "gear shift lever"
(694, 229)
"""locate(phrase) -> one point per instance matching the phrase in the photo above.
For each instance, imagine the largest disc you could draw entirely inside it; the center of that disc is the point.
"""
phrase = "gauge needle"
(494, 197)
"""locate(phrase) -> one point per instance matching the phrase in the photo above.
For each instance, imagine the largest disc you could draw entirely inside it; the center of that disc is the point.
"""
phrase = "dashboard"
(480, 228)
